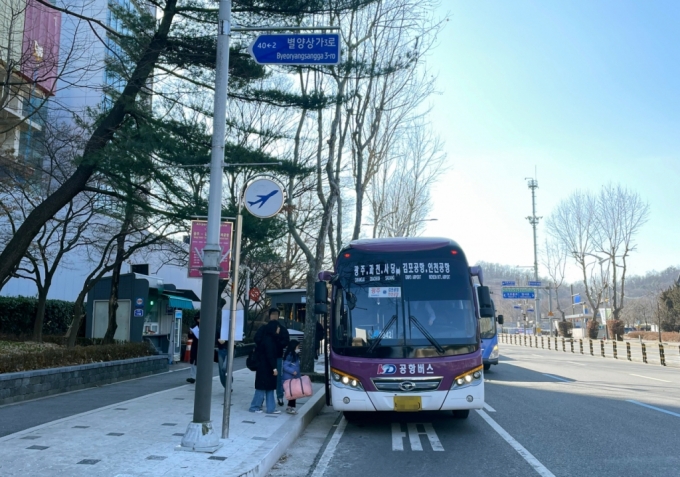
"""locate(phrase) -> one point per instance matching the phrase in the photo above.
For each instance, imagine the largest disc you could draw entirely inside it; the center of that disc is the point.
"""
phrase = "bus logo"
(387, 369)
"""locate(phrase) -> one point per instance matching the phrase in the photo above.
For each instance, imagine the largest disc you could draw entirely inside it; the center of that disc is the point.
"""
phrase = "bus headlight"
(494, 353)
(344, 380)
(469, 378)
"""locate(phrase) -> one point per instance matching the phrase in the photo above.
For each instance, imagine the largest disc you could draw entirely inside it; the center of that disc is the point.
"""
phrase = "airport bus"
(404, 327)
(489, 334)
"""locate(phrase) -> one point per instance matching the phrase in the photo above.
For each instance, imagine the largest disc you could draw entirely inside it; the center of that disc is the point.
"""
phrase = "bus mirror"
(500, 319)
(485, 305)
(320, 293)
(351, 300)
(320, 308)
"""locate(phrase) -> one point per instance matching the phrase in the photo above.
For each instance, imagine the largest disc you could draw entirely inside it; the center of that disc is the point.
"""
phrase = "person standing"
(193, 354)
(318, 337)
(266, 373)
(291, 369)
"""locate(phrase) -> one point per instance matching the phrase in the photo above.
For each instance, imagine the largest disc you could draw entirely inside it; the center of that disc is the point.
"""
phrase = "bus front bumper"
(468, 397)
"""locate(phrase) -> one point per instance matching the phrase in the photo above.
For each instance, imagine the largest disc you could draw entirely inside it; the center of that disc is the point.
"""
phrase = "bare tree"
(555, 259)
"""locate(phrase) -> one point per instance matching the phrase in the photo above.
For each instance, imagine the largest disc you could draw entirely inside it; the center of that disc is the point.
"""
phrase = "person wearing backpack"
(265, 376)
(291, 369)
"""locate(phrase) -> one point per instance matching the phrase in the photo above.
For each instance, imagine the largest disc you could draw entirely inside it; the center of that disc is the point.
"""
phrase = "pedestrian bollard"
(644, 353)
(542, 343)
(614, 349)
(525, 340)
(556, 346)
(591, 348)
(572, 345)
(628, 351)
(549, 343)
(580, 345)
(662, 355)
(564, 347)
(602, 347)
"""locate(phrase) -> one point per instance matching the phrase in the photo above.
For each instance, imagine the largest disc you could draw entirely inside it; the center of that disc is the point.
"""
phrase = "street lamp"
(600, 260)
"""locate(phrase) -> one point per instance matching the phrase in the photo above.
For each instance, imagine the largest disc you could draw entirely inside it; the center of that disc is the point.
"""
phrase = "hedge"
(57, 357)
(670, 336)
(18, 312)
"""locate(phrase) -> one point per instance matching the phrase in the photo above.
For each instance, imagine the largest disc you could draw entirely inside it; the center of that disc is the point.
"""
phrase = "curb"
(307, 413)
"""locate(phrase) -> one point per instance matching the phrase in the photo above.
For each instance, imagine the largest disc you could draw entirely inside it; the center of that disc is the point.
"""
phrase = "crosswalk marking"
(414, 437)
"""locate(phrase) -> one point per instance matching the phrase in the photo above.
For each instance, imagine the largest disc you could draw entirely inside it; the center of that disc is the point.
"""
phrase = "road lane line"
(414, 437)
(647, 377)
(433, 438)
(557, 377)
(526, 455)
(577, 364)
(329, 452)
(654, 408)
(397, 437)
(489, 408)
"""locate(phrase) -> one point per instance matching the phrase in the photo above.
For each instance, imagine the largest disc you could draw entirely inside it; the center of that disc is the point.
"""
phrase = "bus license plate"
(407, 403)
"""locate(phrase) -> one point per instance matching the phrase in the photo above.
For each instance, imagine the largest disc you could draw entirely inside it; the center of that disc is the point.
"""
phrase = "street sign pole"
(200, 435)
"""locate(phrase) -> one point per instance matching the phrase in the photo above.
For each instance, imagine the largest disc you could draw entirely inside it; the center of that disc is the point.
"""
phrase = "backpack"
(251, 360)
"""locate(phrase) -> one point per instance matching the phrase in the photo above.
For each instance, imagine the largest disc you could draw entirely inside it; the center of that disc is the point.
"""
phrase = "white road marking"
(537, 355)
(489, 408)
(330, 449)
(647, 377)
(414, 437)
(397, 437)
(557, 377)
(654, 408)
(577, 364)
(526, 455)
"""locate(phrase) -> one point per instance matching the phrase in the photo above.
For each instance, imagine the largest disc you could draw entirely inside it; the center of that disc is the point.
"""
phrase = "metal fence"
(664, 354)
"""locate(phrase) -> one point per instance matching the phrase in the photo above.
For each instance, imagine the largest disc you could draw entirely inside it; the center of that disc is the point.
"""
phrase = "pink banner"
(199, 232)
(40, 59)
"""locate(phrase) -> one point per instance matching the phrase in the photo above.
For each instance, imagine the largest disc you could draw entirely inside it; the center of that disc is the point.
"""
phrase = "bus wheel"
(487, 366)
(461, 413)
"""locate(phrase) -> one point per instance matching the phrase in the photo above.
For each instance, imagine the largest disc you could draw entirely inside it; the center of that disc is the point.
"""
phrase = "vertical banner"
(199, 230)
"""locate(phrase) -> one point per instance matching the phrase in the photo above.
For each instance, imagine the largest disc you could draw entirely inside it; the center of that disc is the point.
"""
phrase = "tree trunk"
(115, 280)
(16, 248)
(308, 342)
(40, 315)
(78, 314)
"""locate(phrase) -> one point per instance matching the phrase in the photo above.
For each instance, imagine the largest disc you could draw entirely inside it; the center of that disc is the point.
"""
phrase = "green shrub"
(18, 312)
(670, 336)
(57, 357)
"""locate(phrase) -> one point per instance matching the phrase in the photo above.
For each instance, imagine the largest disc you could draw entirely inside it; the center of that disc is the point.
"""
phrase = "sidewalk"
(138, 437)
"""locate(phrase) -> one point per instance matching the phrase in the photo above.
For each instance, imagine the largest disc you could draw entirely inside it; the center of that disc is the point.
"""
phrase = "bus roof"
(401, 244)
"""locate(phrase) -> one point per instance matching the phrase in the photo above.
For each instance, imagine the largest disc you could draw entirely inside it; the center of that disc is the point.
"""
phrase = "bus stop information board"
(297, 49)
(519, 293)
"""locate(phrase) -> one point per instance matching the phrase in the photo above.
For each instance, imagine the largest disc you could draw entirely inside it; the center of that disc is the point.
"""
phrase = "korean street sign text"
(519, 293)
(297, 49)
(534, 284)
(508, 283)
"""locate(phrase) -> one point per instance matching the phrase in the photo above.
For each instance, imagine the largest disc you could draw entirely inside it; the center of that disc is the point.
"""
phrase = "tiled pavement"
(139, 437)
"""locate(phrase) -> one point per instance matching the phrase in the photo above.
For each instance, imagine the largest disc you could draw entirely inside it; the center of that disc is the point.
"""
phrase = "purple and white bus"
(404, 327)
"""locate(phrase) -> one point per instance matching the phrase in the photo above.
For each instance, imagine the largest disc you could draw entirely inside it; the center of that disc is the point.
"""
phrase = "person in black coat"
(267, 352)
(193, 354)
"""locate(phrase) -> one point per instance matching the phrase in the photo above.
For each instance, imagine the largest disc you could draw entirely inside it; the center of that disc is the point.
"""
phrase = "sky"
(577, 93)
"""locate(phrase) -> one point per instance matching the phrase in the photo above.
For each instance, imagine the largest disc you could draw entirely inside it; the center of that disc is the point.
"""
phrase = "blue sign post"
(297, 49)
(519, 293)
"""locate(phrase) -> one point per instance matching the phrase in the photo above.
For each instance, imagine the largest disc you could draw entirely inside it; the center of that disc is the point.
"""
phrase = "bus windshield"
(413, 314)
(487, 327)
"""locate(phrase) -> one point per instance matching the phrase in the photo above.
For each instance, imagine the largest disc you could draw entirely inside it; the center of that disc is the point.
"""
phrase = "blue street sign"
(519, 294)
(139, 313)
(534, 284)
(517, 307)
(508, 283)
(577, 299)
(296, 49)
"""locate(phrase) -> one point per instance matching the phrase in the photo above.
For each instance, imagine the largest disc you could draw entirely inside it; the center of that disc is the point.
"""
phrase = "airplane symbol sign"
(263, 198)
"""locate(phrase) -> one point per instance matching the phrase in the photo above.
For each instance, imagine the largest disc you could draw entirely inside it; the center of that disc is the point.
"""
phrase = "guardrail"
(662, 354)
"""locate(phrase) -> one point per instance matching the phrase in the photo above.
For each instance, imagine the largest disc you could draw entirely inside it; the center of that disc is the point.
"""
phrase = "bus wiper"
(426, 333)
(376, 342)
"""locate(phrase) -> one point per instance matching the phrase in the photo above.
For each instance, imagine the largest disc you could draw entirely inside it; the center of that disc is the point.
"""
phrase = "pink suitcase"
(297, 388)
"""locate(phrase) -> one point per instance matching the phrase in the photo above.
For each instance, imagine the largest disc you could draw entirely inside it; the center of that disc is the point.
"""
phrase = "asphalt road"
(24, 415)
(548, 413)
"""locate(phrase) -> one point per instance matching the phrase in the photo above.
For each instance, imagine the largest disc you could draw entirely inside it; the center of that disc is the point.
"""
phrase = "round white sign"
(263, 198)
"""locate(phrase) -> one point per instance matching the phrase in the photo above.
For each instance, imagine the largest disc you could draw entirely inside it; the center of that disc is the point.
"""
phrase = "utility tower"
(533, 220)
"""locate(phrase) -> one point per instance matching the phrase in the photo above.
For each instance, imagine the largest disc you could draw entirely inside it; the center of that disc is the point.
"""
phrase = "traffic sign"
(508, 283)
(263, 198)
(297, 49)
(254, 294)
(519, 293)
(534, 284)
(139, 313)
